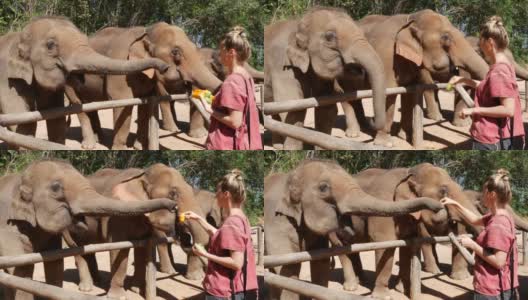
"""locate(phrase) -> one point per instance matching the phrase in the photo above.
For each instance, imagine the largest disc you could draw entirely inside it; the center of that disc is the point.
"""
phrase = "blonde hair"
(237, 39)
(494, 28)
(233, 182)
(500, 184)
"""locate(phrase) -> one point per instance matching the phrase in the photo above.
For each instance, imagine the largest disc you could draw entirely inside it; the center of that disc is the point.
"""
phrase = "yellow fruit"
(181, 218)
(449, 87)
(209, 97)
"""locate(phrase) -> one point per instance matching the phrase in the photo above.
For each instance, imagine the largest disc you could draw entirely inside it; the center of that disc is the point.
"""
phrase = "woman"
(495, 247)
(497, 117)
(231, 269)
(234, 114)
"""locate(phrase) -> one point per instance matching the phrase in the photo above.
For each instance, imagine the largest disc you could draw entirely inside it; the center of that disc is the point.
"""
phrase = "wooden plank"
(150, 280)
(416, 273)
(465, 253)
(525, 250)
(417, 121)
(465, 96)
(153, 129)
(316, 138)
(199, 107)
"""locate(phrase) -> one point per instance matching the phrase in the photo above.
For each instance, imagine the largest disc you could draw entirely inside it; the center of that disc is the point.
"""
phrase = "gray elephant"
(40, 202)
(38, 62)
(161, 40)
(302, 207)
(155, 181)
(413, 48)
(431, 97)
(305, 58)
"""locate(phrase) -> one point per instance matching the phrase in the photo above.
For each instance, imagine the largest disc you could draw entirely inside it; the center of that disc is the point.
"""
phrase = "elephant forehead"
(169, 35)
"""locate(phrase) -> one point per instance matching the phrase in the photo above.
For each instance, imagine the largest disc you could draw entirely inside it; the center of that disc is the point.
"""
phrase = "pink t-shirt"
(498, 234)
(500, 82)
(233, 235)
(234, 95)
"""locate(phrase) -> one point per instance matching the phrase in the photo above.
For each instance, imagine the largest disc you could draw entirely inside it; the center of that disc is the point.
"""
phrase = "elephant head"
(50, 48)
(427, 180)
(329, 43)
(53, 195)
(430, 41)
(170, 44)
(319, 192)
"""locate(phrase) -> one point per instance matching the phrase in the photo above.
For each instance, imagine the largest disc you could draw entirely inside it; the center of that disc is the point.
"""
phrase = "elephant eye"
(56, 186)
(330, 36)
(445, 39)
(173, 194)
(324, 187)
(176, 53)
(51, 44)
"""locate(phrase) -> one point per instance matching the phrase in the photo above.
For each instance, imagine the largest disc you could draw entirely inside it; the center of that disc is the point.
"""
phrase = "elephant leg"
(195, 268)
(165, 260)
(23, 272)
(142, 136)
(325, 118)
(406, 122)
(383, 137)
(384, 263)
(88, 135)
(197, 128)
(290, 271)
(122, 120)
(85, 278)
(169, 122)
(119, 263)
(56, 127)
(351, 281)
(352, 125)
(430, 264)
(96, 125)
(140, 269)
(432, 111)
(459, 106)
(459, 266)
(404, 280)
(358, 266)
(277, 140)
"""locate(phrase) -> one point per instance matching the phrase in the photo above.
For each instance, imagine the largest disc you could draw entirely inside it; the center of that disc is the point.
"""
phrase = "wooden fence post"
(417, 122)
(526, 95)
(153, 134)
(524, 246)
(150, 280)
(416, 269)
(260, 236)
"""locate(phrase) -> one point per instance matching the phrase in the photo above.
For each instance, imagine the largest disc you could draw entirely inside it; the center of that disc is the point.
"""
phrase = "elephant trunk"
(94, 204)
(474, 63)
(257, 75)
(520, 223)
(372, 64)
(89, 61)
(203, 78)
(365, 205)
(520, 71)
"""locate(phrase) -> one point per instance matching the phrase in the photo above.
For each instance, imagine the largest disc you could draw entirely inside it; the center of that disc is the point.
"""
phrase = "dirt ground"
(433, 286)
(437, 135)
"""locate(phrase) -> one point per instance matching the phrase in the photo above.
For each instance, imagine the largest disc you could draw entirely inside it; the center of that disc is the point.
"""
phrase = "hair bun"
(497, 20)
(503, 173)
(240, 31)
(238, 174)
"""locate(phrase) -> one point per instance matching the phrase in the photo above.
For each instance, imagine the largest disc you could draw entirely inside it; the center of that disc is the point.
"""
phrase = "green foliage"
(204, 21)
(201, 169)
(469, 168)
(467, 15)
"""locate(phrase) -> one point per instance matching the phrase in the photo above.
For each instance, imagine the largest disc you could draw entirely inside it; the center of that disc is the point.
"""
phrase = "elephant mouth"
(354, 69)
(79, 224)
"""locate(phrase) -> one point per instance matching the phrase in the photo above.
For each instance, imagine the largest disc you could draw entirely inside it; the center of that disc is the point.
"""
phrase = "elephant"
(399, 185)
(39, 61)
(161, 40)
(211, 58)
(209, 206)
(414, 48)
(433, 107)
(155, 181)
(302, 207)
(43, 200)
(306, 57)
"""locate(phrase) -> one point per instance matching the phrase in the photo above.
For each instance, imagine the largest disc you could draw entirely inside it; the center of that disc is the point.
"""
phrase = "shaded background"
(201, 169)
(469, 168)
(467, 15)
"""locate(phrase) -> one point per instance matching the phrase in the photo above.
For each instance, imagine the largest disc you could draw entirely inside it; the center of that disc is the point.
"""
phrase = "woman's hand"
(206, 106)
(467, 242)
(448, 201)
(191, 215)
(467, 112)
(199, 251)
(456, 80)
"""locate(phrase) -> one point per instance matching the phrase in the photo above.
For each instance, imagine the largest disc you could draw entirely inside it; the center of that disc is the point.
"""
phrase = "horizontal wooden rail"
(33, 258)
(308, 289)
(316, 138)
(28, 142)
(272, 108)
(35, 116)
(271, 261)
(42, 289)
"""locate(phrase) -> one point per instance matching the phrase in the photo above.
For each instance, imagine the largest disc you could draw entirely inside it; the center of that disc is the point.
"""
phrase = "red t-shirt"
(498, 234)
(500, 82)
(234, 95)
(233, 235)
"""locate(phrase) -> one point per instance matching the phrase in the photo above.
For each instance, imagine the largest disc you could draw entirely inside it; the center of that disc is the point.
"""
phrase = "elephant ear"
(408, 188)
(18, 64)
(408, 43)
(22, 208)
(297, 51)
(290, 204)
